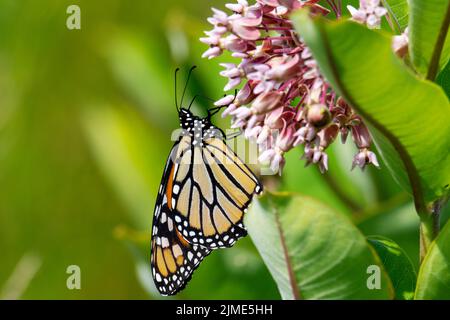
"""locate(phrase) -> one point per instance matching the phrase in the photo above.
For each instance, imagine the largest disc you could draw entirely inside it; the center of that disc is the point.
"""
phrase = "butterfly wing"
(212, 190)
(173, 259)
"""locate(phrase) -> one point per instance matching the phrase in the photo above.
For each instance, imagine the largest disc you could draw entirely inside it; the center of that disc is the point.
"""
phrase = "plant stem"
(435, 59)
(429, 229)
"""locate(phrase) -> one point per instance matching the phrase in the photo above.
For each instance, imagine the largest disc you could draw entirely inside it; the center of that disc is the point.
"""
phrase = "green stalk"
(429, 228)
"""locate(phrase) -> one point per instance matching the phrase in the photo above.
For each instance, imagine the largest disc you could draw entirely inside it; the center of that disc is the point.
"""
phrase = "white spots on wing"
(177, 250)
(163, 217)
(164, 242)
(176, 189)
(190, 255)
(177, 219)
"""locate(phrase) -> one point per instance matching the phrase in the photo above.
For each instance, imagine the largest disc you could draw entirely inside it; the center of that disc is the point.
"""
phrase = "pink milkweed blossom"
(283, 101)
(370, 13)
(400, 43)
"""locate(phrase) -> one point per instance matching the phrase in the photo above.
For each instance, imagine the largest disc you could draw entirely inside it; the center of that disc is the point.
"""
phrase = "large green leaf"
(398, 13)
(429, 40)
(312, 251)
(443, 79)
(433, 281)
(409, 115)
(398, 266)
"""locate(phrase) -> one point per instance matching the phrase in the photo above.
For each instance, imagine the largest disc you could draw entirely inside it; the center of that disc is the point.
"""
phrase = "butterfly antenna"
(176, 99)
(187, 82)
(200, 96)
(192, 101)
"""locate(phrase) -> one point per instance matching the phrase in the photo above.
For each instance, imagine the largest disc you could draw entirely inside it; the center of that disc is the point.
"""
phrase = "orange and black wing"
(173, 259)
(212, 189)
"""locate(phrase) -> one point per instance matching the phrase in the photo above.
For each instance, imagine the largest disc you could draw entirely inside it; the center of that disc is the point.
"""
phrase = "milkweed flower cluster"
(370, 13)
(284, 101)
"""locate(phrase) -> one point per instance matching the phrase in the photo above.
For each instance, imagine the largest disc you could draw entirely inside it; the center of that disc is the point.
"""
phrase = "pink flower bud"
(225, 101)
(272, 3)
(274, 118)
(328, 135)
(211, 41)
(278, 163)
(232, 83)
(228, 110)
(244, 32)
(212, 53)
(286, 138)
(221, 16)
(252, 18)
(252, 133)
(267, 102)
(236, 7)
(318, 115)
(263, 135)
(242, 113)
(361, 136)
(363, 158)
(267, 156)
(286, 69)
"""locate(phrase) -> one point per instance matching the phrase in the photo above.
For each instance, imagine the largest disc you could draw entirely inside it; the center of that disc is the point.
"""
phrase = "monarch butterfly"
(204, 192)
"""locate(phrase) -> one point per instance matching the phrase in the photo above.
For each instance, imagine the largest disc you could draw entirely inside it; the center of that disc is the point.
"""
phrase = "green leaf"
(311, 251)
(398, 13)
(409, 116)
(428, 37)
(443, 79)
(433, 281)
(398, 266)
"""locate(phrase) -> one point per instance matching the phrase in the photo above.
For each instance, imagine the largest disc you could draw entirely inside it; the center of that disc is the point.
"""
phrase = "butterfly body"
(205, 191)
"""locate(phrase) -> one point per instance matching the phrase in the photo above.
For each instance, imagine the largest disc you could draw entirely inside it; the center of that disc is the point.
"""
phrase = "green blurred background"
(85, 123)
